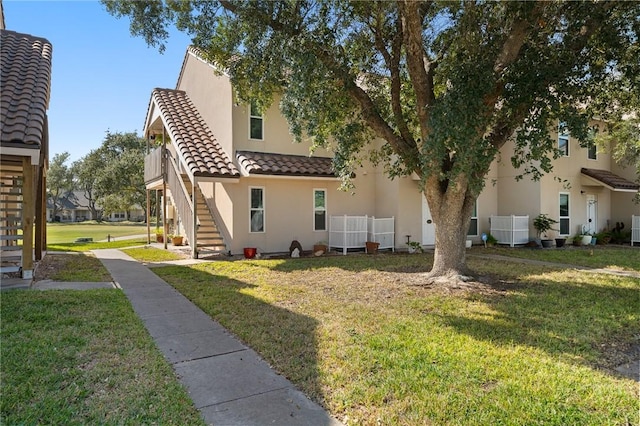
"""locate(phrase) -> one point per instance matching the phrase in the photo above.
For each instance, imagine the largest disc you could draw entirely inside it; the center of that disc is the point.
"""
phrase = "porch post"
(28, 200)
(165, 231)
(40, 214)
(148, 218)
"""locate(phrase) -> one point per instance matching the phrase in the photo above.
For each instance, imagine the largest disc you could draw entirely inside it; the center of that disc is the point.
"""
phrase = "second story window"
(256, 123)
(563, 139)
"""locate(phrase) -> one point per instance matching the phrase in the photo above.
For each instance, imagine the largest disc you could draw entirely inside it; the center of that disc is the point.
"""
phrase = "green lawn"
(84, 357)
(534, 347)
(151, 254)
(609, 256)
(68, 232)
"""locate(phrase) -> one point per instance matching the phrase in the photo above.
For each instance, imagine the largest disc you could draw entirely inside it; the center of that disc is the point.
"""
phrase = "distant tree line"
(111, 176)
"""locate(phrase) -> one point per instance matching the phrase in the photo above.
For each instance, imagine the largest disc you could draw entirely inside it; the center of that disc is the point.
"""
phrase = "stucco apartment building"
(25, 82)
(232, 177)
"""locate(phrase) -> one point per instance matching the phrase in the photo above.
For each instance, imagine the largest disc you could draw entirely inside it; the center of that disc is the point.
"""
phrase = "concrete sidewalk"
(228, 382)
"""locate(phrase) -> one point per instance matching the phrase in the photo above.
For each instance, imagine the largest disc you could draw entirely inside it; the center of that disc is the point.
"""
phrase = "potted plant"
(586, 237)
(320, 247)
(177, 240)
(159, 236)
(560, 241)
(414, 247)
(543, 224)
(372, 247)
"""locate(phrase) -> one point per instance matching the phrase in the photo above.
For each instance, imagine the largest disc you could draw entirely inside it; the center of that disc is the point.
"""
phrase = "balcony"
(153, 168)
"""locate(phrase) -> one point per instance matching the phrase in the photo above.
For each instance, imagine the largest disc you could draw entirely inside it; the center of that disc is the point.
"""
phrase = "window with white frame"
(256, 209)
(563, 139)
(565, 225)
(473, 226)
(256, 122)
(319, 209)
(592, 148)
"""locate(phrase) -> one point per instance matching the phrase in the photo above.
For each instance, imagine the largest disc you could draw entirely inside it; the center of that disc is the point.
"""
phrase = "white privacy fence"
(635, 229)
(510, 230)
(381, 231)
(351, 232)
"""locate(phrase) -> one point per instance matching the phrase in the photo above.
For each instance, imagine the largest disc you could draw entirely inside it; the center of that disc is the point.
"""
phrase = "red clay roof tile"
(262, 163)
(193, 138)
(610, 179)
(25, 82)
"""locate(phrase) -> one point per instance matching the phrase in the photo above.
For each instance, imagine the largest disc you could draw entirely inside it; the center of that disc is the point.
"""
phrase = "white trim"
(261, 117)
(568, 217)
(245, 174)
(313, 211)
(563, 136)
(264, 209)
(32, 153)
(477, 221)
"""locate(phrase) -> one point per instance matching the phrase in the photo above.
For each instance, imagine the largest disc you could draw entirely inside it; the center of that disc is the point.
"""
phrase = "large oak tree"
(444, 84)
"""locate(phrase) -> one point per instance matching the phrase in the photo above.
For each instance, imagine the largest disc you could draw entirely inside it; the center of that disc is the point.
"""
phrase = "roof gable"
(193, 139)
(25, 82)
(610, 180)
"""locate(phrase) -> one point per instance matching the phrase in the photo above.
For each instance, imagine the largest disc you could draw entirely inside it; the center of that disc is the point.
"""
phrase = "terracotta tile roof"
(261, 163)
(611, 180)
(193, 138)
(25, 82)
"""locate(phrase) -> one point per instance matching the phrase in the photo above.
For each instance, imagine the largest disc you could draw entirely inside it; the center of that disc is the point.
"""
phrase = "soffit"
(609, 180)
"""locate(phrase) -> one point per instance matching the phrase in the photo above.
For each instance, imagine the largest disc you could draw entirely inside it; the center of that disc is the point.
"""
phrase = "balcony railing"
(153, 165)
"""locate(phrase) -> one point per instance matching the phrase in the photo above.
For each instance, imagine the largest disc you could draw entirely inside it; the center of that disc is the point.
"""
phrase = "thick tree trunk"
(451, 211)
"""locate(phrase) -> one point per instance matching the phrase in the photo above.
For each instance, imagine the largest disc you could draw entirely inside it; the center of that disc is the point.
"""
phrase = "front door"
(592, 214)
(428, 228)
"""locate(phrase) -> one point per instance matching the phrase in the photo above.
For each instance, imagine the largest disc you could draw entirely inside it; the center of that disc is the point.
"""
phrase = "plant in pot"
(320, 248)
(543, 224)
(159, 236)
(177, 240)
(414, 247)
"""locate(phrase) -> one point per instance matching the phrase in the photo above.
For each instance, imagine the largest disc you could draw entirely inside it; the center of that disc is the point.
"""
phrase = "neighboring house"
(72, 207)
(255, 187)
(25, 80)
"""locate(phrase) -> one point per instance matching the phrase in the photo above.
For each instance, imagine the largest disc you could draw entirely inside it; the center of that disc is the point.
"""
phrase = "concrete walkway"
(228, 382)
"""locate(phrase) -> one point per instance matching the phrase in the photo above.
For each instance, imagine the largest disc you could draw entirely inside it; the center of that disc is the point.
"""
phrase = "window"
(319, 209)
(473, 226)
(256, 122)
(564, 214)
(563, 139)
(592, 148)
(256, 209)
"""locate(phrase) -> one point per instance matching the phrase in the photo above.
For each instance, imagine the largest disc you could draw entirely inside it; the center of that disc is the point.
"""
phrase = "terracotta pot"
(159, 238)
(372, 247)
(320, 248)
(177, 240)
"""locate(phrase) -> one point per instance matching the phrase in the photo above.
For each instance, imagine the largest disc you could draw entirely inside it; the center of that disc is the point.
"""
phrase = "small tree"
(59, 181)
(543, 224)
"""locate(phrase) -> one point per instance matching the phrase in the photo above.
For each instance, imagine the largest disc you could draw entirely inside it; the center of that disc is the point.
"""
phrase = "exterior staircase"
(11, 203)
(209, 239)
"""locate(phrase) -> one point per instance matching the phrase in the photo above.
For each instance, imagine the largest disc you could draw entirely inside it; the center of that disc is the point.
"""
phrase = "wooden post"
(41, 213)
(165, 231)
(148, 216)
(28, 209)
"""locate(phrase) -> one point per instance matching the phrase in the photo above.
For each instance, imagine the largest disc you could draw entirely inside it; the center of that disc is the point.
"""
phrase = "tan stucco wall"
(212, 95)
(622, 204)
(288, 210)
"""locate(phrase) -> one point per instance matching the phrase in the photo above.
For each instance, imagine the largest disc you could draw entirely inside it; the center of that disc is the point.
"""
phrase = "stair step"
(10, 228)
(9, 269)
(12, 259)
(10, 209)
(10, 237)
(9, 248)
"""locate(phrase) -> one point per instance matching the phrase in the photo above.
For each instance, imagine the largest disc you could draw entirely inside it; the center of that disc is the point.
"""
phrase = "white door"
(428, 228)
(592, 214)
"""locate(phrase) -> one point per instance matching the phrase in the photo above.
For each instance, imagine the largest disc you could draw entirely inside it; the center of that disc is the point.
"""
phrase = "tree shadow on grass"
(585, 321)
(387, 262)
(285, 339)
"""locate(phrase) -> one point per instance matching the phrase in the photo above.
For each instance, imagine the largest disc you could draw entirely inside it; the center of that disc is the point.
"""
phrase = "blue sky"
(102, 76)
